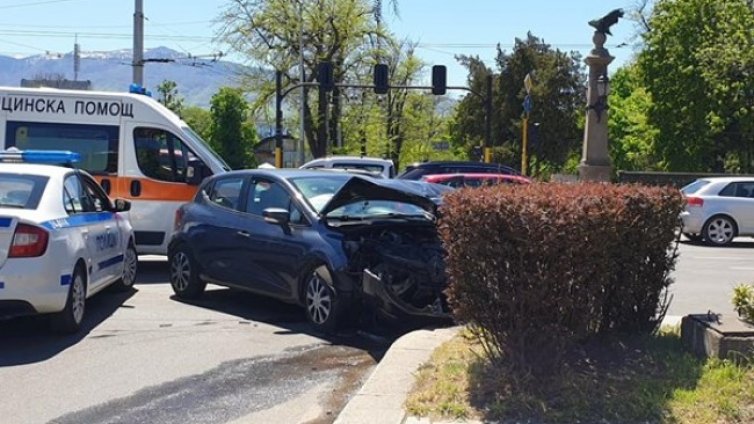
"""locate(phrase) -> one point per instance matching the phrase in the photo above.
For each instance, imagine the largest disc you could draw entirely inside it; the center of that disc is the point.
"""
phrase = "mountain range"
(197, 79)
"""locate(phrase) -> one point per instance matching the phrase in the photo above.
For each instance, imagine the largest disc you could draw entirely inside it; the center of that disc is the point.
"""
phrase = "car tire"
(321, 303)
(130, 269)
(184, 274)
(719, 230)
(68, 321)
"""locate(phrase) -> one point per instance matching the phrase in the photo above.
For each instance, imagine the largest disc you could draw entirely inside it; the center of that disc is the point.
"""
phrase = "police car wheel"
(70, 318)
(184, 274)
(130, 268)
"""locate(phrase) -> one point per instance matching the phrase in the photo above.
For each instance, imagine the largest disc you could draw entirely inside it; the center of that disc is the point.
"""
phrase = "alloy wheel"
(180, 271)
(720, 231)
(129, 269)
(318, 299)
(78, 299)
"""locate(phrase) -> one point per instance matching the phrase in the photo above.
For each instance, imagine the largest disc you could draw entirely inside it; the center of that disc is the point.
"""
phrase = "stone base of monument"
(718, 336)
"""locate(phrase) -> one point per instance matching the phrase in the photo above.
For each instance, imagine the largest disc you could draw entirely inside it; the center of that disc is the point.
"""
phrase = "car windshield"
(202, 146)
(21, 191)
(317, 191)
(694, 187)
(369, 209)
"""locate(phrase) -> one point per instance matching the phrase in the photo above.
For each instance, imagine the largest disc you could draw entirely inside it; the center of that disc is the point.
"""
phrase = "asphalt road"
(144, 357)
(705, 276)
(233, 357)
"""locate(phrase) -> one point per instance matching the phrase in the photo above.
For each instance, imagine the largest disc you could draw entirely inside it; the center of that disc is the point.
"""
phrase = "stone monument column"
(595, 159)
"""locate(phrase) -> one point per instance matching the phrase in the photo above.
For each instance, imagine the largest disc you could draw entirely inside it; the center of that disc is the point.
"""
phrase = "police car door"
(88, 226)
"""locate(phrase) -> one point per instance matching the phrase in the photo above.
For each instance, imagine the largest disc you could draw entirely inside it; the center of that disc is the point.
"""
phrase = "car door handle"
(243, 233)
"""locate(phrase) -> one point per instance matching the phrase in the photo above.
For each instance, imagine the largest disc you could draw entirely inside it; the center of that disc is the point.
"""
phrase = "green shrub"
(534, 269)
(743, 301)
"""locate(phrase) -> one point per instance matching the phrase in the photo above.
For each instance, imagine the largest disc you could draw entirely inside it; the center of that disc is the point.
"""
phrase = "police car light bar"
(39, 156)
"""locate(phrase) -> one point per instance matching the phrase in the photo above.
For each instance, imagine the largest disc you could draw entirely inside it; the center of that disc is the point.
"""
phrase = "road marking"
(742, 268)
(725, 258)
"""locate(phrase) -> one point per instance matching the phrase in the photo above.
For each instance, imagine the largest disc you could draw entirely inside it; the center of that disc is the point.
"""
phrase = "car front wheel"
(184, 274)
(719, 230)
(130, 267)
(70, 318)
(322, 307)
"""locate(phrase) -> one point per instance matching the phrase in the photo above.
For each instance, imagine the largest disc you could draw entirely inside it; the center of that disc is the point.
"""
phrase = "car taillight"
(178, 219)
(695, 201)
(28, 241)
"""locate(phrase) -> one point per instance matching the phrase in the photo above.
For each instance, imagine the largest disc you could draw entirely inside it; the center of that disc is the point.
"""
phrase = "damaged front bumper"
(391, 306)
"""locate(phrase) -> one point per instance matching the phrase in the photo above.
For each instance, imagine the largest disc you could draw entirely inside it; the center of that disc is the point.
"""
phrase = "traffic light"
(439, 80)
(381, 83)
(325, 76)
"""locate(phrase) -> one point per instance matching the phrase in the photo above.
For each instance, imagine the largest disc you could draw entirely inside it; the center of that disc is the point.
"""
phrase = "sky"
(443, 28)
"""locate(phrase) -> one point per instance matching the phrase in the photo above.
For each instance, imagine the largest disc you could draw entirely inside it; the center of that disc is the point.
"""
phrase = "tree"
(557, 96)
(698, 66)
(168, 96)
(231, 135)
(632, 138)
(269, 31)
(199, 119)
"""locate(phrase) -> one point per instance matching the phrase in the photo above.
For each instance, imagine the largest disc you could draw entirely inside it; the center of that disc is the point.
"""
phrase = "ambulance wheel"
(69, 320)
(184, 274)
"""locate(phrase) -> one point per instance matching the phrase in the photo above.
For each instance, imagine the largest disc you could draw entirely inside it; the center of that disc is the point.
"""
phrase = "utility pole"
(76, 58)
(302, 137)
(138, 53)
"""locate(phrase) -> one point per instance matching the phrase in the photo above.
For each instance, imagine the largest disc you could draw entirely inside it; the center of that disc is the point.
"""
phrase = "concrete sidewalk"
(381, 399)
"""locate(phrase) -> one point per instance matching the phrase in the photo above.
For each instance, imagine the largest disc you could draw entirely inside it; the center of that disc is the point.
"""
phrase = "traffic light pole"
(280, 95)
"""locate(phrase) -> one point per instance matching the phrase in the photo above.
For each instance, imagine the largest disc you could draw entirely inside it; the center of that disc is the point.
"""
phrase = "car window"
(21, 191)
(266, 194)
(161, 155)
(100, 200)
(738, 189)
(226, 192)
(75, 197)
(694, 187)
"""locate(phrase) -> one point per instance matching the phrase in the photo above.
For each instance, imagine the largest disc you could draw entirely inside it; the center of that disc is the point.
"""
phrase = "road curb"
(380, 400)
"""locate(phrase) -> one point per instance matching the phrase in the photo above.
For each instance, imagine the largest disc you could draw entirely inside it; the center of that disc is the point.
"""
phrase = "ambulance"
(135, 148)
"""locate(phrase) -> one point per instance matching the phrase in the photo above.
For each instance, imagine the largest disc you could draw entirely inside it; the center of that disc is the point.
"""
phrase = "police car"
(61, 238)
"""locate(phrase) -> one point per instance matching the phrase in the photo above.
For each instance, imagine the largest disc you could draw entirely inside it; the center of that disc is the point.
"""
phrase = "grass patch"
(648, 379)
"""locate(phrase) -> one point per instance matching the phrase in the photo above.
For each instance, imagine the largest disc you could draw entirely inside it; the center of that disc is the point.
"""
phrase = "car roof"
(34, 169)
(364, 159)
(286, 173)
(461, 163)
(726, 179)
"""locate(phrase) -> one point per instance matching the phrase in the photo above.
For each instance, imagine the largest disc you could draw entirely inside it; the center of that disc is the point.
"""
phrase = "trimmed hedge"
(535, 269)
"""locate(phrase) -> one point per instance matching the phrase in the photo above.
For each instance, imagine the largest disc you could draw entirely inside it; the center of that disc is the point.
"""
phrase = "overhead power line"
(36, 3)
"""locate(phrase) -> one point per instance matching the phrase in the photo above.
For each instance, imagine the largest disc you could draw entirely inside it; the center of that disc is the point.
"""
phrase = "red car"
(474, 180)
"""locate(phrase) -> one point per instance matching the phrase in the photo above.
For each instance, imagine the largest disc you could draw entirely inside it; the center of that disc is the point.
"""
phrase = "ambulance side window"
(161, 155)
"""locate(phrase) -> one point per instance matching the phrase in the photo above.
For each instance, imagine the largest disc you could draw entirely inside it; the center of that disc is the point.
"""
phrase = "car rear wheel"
(184, 274)
(130, 268)
(321, 303)
(719, 230)
(70, 318)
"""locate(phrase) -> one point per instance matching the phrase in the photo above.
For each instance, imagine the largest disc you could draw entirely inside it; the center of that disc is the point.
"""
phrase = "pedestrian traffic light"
(381, 77)
(439, 80)
(325, 76)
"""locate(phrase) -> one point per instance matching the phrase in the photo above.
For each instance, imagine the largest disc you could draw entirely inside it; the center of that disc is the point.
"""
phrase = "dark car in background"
(335, 243)
(417, 170)
(474, 180)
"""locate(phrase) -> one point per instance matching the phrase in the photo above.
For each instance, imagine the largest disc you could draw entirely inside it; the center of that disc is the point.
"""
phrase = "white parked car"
(61, 238)
(376, 166)
(719, 209)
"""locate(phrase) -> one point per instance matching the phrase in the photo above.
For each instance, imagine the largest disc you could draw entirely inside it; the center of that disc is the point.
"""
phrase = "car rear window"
(21, 191)
(694, 187)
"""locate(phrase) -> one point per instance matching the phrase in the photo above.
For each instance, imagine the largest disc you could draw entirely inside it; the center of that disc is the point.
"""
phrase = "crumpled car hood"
(358, 188)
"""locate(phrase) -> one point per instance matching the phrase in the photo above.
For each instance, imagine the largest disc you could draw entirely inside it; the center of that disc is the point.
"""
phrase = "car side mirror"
(122, 205)
(277, 216)
(195, 172)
